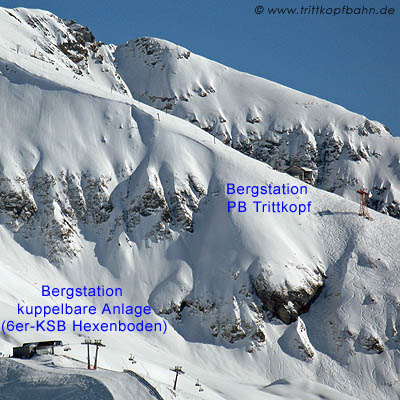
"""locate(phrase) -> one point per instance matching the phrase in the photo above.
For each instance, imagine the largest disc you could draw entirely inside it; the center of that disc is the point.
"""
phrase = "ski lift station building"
(307, 175)
(28, 350)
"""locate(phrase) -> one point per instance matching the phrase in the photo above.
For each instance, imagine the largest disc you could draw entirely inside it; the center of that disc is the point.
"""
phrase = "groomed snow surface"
(61, 378)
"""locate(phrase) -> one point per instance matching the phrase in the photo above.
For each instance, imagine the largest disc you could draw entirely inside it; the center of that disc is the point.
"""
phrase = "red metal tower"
(364, 195)
(96, 343)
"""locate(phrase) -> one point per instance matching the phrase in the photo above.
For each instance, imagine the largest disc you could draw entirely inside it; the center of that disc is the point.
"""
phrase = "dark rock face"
(233, 321)
(152, 48)
(73, 45)
(151, 203)
(393, 209)
(79, 44)
(54, 208)
(171, 210)
(285, 301)
(18, 207)
(371, 343)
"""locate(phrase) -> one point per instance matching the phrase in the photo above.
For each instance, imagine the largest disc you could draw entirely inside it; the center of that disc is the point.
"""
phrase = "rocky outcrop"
(170, 210)
(285, 300)
(56, 208)
(154, 51)
(35, 209)
(151, 203)
(371, 343)
(229, 322)
(66, 45)
(17, 205)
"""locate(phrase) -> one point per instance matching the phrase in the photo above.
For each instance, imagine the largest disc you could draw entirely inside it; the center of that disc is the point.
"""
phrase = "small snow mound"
(304, 389)
(295, 342)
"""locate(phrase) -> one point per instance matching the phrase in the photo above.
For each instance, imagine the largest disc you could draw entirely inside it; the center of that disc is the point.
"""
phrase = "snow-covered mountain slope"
(62, 52)
(267, 121)
(105, 190)
(62, 378)
(141, 204)
(262, 119)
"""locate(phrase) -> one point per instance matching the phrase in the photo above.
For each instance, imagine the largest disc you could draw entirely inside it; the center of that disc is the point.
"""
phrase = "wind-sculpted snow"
(291, 389)
(97, 187)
